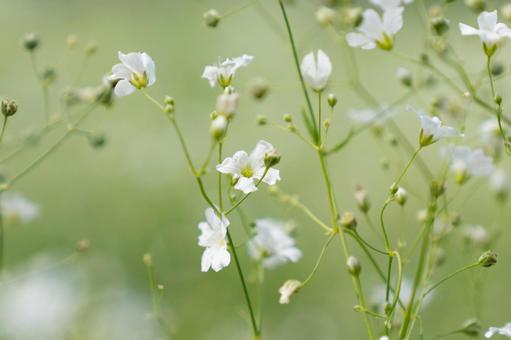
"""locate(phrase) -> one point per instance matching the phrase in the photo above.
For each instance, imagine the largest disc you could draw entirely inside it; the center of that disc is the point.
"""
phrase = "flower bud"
(290, 287)
(488, 259)
(218, 128)
(348, 221)
(91, 48)
(226, 104)
(211, 18)
(437, 188)
(168, 100)
(405, 76)
(497, 68)
(362, 199)
(259, 88)
(440, 25)
(287, 118)
(48, 76)
(471, 328)
(325, 16)
(261, 120)
(506, 11)
(71, 41)
(354, 266)
(9, 107)
(97, 139)
(476, 5)
(401, 196)
(82, 246)
(148, 260)
(169, 108)
(331, 99)
(353, 16)
(271, 159)
(31, 41)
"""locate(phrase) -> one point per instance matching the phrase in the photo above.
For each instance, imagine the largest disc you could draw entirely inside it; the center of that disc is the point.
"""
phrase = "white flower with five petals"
(136, 71)
(247, 169)
(505, 331)
(272, 244)
(223, 72)
(433, 130)
(316, 70)
(17, 209)
(213, 238)
(490, 32)
(467, 162)
(376, 31)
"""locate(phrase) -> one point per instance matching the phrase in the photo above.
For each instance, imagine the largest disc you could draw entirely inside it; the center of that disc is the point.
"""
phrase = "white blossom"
(499, 181)
(490, 32)
(505, 331)
(223, 72)
(325, 15)
(467, 162)
(17, 209)
(247, 169)
(227, 103)
(390, 4)
(490, 133)
(272, 243)
(376, 31)
(213, 238)
(478, 235)
(136, 71)
(289, 288)
(368, 115)
(433, 130)
(316, 70)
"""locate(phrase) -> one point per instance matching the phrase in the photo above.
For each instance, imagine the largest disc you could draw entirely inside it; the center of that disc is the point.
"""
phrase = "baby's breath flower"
(31, 41)
(136, 71)
(505, 331)
(213, 238)
(17, 209)
(362, 199)
(466, 162)
(248, 169)
(223, 72)
(211, 18)
(272, 244)
(325, 15)
(499, 183)
(376, 31)
(390, 4)
(226, 104)
(218, 127)
(488, 259)
(432, 130)
(354, 266)
(490, 32)
(401, 196)
(368, 115)
(9, 107)
(478, 235)
(316, 70)
(290, 287)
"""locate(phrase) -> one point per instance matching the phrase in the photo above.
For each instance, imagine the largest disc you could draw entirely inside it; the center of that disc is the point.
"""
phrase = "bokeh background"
(135, 195)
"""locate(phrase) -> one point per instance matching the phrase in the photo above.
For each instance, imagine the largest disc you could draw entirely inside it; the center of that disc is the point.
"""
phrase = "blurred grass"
(136, 195)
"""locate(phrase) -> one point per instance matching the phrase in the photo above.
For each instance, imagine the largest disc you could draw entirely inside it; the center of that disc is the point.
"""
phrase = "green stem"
(430, 289)
(297, 64)
(318, 261)
(4, 124)
(498, 103)
(220, 199)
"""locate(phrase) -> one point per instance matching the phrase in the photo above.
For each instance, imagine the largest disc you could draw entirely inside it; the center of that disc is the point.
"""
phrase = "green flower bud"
(440, 25)
(287, 118)
(97, 139)
(354, 266)
(211, 18)
(404, 76)
(218, 128)
(331, 99)
(91, 48)
(148, 260)
(259, 88)
(31, 41)
(9, 107)
(169, 100)
(348, 221)
(488, 259)
(471, 328)
(271, 159)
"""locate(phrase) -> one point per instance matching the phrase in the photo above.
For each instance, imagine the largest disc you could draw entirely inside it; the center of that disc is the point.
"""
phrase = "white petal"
(133, 61)
(246, 185)
(487, 21)
(210, 74)
(123, 88)
(272, 176)
(468, 30)
(393, 20)
(233, 165)
(261, 149)
(220, 258)
(360, 40)
(150, 68)
(120, 71)
(372, 25)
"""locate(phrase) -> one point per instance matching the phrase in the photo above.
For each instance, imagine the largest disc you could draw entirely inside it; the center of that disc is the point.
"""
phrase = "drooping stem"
(434, 286)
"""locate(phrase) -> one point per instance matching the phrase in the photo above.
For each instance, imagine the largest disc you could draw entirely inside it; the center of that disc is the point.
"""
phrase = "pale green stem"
(4, 124)
(318, 261)
(434, 286)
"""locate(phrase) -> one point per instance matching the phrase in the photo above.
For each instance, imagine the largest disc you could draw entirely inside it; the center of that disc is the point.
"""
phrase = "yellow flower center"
(139, 80)
(247, 172)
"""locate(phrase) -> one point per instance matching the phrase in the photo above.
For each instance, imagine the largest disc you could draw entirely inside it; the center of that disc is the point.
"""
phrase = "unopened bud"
(440, 25)
(211, 18)
(476, 5)
(289, 288)
(9, 107)
(331, 99)
(72, 41)
(147, 259)
(261, 120)
(287, 118)
(497, 69)
(168, 100)
(83, 246)
(271, 159)
(488, 259)
(325, 16)
(437, 189)
(48, 76)
(169, 108)
(97, 139)
(362, 199)
(91, 48)
(353, 16)
(405, 76)
(259, 88)
(226, 104)
(31, 41)
(471, 328)
(354, 266)
(348, 221)
(218, 128)
(506, 12)
(401, 196)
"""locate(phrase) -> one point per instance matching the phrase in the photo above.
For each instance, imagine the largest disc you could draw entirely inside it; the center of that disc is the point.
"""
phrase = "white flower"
(289, 288)
(499, 181)
(368, 115)
(136, 71)
(478, 235)
(213, 238)
(490, 32)
(272, 244)
(17, 209)
(249, 169)
(223, 72)
(375, 31)
(316, 70)
(390, 4)
(490, 133)
(325, 15)
(384, 337)
(506, 331)
(432, 129)
(466, 162)
(226, 104)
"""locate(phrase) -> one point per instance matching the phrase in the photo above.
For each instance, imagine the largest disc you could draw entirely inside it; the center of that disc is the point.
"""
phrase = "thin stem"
(498, 103)
(407, 167)
(297, 64)
(220, 199)
(318, 261)
(430, 289)
(319, 118)
(247, 195)
(361, 298)
(4, 124)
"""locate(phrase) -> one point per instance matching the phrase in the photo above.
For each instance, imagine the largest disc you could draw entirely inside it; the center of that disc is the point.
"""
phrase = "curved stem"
(433, 287)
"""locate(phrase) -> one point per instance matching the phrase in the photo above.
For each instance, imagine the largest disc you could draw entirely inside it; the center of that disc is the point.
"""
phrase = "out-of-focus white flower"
(467, 162)
(226, 104)
(490, 133)
(505, 331)
(38, 307)
(490, 32)
(499, 182)
(432, 129)
(223, 72)
(384, 337)
(368, 115)
(325, 15)
(478, 235)
(377, 296)
(136, 71)
(248, 169)
(316, 70)
(18, 209)
(272, 243)
(289, 288)
(390, 4)
(376, 31)
(213, 238)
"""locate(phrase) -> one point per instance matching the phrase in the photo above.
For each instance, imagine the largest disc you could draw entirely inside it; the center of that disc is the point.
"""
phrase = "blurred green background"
(135, 195)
